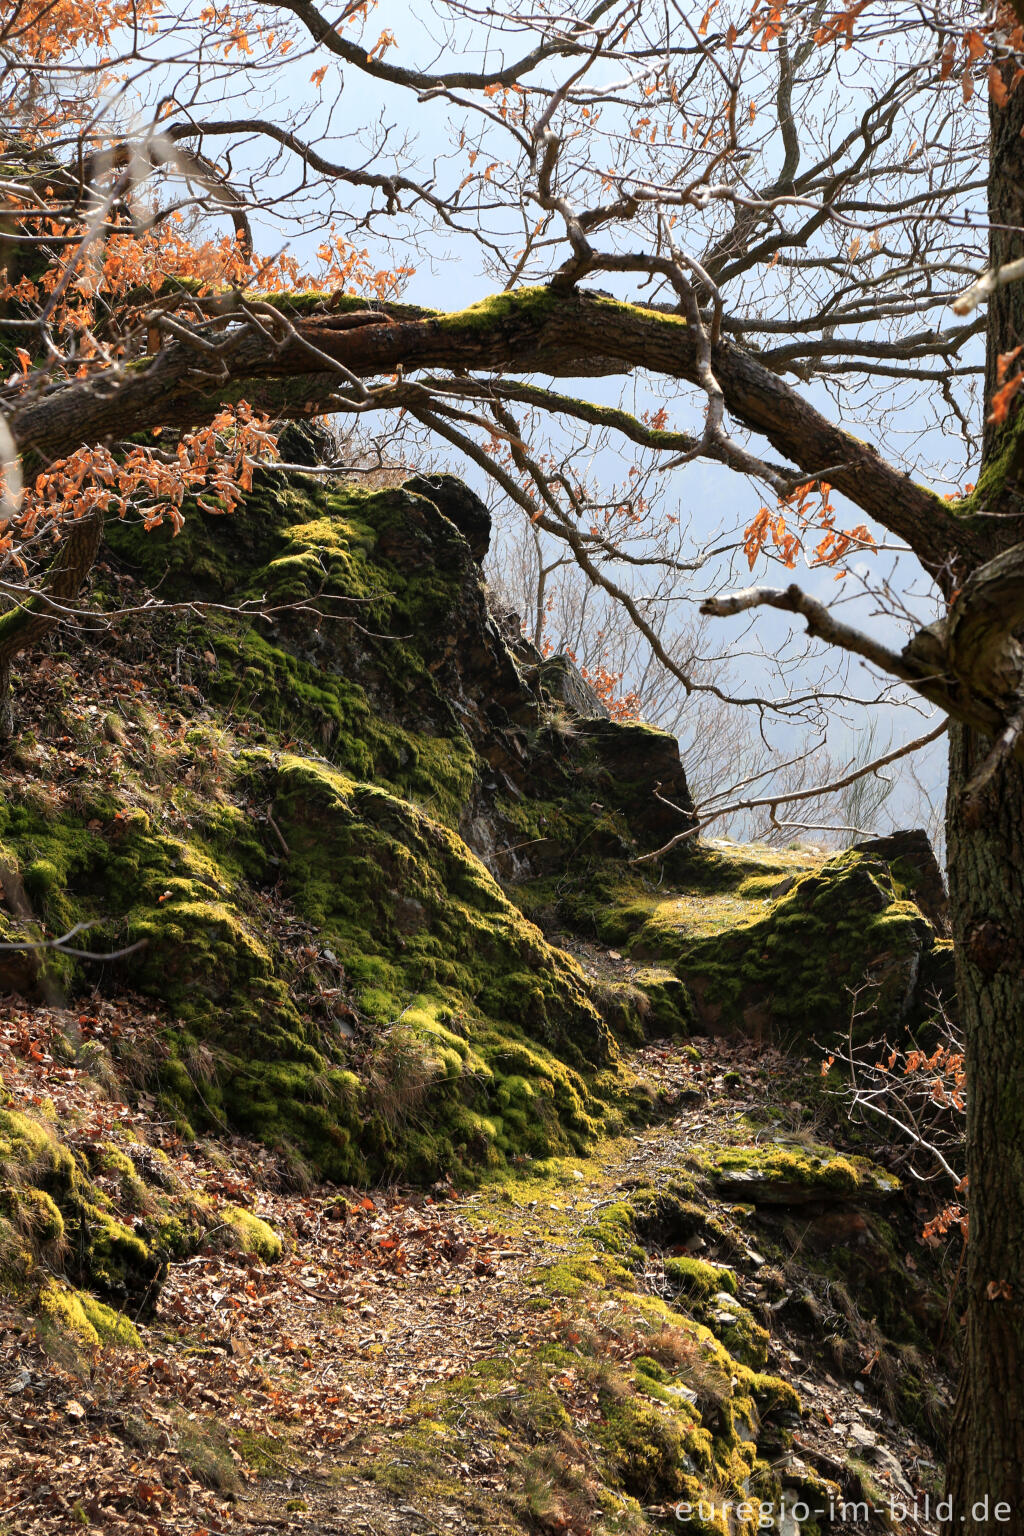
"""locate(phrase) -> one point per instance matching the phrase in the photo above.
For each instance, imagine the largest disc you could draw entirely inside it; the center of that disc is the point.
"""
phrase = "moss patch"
(84, 1319)
(254, 1235)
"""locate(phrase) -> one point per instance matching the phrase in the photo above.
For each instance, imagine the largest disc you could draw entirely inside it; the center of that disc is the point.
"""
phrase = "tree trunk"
(22, 628)
(1006, 243)
(986, 887)
(6, 703)
(986, 874)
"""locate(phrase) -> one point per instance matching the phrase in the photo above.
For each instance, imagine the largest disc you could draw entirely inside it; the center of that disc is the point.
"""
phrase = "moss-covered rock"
(84, 1319)
(797, 1174)
(779, 952)
(254, 1235)
(331, 850)
(64, 1207)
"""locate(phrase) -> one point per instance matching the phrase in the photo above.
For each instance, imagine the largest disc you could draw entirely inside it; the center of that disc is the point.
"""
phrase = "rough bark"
(566, 334)
(986, 888)
(986, 874)
(6, 702)
(1006, 244)
(22, 628)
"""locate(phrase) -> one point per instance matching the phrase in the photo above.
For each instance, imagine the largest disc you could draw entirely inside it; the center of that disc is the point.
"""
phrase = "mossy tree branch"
(533, 331)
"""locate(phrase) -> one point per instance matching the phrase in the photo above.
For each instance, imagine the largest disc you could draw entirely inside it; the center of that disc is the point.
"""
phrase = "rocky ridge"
(366, 863)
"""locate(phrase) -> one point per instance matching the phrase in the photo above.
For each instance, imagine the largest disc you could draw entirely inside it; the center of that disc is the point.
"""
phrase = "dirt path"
(282, 1397)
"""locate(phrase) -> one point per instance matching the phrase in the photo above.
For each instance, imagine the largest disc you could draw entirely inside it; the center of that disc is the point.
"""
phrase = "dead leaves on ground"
(378, 1295)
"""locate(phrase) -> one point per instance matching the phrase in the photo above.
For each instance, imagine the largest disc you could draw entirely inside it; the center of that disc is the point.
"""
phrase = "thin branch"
(992, 280)
(772, 802)
(62, 945)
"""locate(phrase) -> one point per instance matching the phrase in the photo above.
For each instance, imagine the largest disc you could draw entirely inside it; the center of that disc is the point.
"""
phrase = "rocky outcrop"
(345, 834)
(913, 862)
(558, 681)
(845, 947)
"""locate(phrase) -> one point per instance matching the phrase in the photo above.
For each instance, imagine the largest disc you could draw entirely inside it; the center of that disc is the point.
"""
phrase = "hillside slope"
(365, 862)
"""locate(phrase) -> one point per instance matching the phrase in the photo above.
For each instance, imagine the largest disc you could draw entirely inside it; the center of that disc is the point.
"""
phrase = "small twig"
(272, 824)
(61, 945)
(772, 802)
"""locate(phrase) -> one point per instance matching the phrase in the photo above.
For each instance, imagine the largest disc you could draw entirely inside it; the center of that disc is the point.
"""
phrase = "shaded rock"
(20, 970)
(641, 766)
(558, 680)
(19, 973)
(305, 442)
(454, 500)
(912, 859)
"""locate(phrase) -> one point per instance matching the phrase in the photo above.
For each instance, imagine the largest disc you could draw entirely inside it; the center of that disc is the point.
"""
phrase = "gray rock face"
(914, 859)
(557, 680)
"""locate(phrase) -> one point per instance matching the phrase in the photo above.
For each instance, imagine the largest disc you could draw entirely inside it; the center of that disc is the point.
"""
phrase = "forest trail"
(400, 1331)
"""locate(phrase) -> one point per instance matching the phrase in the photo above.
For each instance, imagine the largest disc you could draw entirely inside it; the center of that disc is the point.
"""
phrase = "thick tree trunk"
(986, 880)
(6, 703)
(986, 873)
(1006, 244)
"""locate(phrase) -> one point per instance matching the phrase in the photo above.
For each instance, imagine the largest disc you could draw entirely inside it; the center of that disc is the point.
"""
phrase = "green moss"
(364, 846)
(254, 1235)
(111, 1327)
(778, 948)
(264, 1453)
(57, 1205)
(745, 1339)
(773, 1397)
(109, 1159)
(85, 1319)
(335, 563)
(62, 1308)
(34, 1212)
(997, 471)
(699, 1279)
(499, 309)
(649, 1447)
(343, 977)
(788, 1174)
(425, 934)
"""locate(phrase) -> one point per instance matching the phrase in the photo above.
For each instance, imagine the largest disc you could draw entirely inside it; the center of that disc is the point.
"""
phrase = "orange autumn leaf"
(1005, 360)
(702, 30)
(997, 86)
(975, 45)
(840, 24)
(1002, 398)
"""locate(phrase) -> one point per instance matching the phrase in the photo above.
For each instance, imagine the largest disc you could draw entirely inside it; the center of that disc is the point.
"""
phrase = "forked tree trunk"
(986, 874)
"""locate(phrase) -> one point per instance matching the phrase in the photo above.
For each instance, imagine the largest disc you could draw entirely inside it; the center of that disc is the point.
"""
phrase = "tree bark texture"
(532, 331)
(986, 874)
(21, 628)
(986, 883)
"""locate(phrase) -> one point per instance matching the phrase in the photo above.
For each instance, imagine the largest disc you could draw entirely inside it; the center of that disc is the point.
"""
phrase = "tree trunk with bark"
(986, 873)
(23, 627)
(986, 879)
